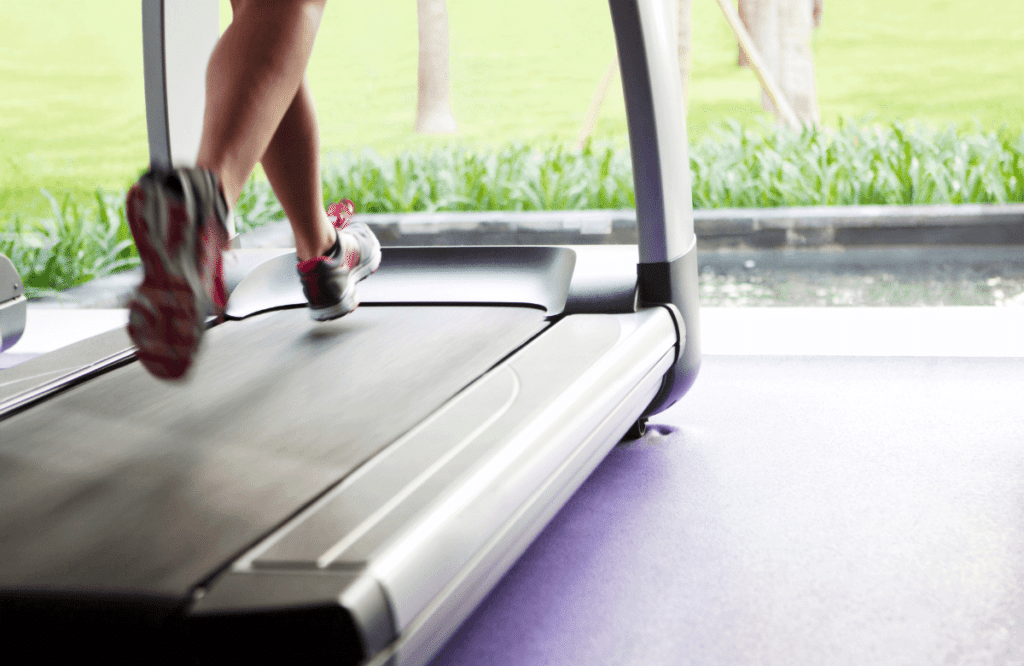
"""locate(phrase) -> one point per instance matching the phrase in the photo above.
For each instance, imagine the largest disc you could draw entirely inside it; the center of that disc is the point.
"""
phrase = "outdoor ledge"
(814, 236)
(811, 227)
(835, 227)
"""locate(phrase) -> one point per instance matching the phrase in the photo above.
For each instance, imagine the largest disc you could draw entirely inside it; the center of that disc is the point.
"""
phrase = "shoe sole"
(166, 319)
(349, 300)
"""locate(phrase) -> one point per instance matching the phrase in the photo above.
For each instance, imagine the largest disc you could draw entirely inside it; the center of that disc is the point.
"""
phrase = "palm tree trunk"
(433, 99)
(761, 18)
(796, 24)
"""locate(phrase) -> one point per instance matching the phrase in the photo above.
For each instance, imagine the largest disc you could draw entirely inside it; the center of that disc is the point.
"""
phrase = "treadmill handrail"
(177, 40)
(656, 117)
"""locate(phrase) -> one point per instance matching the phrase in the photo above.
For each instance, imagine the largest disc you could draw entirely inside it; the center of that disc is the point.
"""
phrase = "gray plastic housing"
(294, 608)
(13, 306)
(532, 276)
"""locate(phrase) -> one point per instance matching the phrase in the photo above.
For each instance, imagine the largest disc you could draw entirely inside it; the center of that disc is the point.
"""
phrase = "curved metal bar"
(656, 117)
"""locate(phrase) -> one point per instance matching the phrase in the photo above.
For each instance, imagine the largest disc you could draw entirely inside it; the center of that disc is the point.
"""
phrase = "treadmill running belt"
(128, 484)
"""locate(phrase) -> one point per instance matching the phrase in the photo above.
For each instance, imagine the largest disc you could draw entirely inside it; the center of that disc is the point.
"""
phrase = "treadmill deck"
(143, 486)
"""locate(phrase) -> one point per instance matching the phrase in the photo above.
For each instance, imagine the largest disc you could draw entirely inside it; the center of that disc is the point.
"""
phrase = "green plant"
(74, 245)
(856, 163)
(516, 177)
(256, 206)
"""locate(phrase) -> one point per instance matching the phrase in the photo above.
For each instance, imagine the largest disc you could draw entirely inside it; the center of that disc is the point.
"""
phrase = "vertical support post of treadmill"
(178, 37)
(655, 116)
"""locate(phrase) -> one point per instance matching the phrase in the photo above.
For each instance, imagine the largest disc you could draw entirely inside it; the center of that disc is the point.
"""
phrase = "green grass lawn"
(71, 91)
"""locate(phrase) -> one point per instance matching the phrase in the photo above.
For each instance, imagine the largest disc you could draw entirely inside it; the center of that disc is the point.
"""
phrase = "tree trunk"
(682, 23)
(796, 24)
(761, 19)
(781, 31)
(763, 26)
(433, 99)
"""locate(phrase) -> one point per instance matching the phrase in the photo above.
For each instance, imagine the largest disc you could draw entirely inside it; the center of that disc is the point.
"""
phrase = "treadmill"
(349, 491)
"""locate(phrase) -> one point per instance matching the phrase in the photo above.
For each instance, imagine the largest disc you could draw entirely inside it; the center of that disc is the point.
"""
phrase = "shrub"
(74, 245)
(857, 163)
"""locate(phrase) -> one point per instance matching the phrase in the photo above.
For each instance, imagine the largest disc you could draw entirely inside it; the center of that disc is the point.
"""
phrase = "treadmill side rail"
(560, 406)
(428, 633)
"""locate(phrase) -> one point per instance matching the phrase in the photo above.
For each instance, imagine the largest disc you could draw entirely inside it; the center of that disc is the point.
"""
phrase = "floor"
(862, 503)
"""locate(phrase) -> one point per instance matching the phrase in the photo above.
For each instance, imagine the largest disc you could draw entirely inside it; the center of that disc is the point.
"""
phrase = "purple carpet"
(789, 510)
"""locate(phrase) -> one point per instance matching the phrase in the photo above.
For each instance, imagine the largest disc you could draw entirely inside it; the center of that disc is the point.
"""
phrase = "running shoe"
(329, 282)
(179, 220)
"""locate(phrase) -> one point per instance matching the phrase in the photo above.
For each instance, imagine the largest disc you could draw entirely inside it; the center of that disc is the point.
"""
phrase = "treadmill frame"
(419, 557)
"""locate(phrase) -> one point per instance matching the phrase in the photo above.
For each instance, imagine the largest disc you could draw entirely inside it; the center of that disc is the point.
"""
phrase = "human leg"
(252, 80)
(178, 217)
(292, 165)
(333, 254)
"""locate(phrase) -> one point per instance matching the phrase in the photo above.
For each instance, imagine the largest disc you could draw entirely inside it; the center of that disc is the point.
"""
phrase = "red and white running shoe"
(179, 220)
(329, 282)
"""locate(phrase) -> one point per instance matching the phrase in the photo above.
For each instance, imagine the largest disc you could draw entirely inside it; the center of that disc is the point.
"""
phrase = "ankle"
(225, 211)
(319, 245)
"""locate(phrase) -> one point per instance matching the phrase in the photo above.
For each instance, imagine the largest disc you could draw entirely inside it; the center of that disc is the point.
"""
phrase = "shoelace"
(341, 212)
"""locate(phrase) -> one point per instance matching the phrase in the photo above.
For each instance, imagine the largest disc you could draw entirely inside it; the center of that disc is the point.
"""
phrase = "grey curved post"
(656, 117)
(177, 39)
